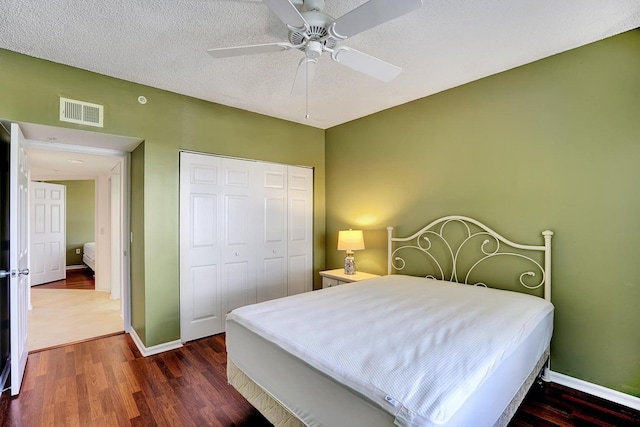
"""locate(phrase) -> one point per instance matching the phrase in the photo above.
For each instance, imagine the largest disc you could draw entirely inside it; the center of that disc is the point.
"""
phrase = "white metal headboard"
(421, 241)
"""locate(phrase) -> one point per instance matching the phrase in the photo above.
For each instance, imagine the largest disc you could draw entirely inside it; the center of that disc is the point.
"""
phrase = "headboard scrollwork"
(444, 254)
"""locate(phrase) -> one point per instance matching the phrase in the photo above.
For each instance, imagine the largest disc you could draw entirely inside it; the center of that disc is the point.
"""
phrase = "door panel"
(238, 227)
(300, 220)
(271, 248)
(201, 313)
(273, 279)
(299, 280)
(239, 288)
(275, 218)
(19, 256)
(205, 296)
(205, 213)
(236, 218)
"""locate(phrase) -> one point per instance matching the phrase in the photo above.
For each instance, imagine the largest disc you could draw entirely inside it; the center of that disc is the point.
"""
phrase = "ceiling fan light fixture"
(314, 49)
(314, 4)
(318, 23)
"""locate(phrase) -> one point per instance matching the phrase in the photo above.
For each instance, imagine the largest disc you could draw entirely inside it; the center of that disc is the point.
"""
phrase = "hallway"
(71, 310)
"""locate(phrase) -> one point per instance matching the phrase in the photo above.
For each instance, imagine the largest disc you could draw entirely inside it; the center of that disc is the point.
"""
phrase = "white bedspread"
(416, 347)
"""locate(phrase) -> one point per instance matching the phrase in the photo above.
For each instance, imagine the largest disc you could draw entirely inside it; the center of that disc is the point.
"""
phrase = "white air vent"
(83, 113)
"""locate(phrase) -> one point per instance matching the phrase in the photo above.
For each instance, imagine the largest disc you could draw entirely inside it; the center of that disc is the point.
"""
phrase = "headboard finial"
(547, 263)
(389, 249)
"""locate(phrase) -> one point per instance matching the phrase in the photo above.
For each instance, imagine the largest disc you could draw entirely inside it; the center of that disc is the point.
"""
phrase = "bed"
(437, 347)
(89, 255)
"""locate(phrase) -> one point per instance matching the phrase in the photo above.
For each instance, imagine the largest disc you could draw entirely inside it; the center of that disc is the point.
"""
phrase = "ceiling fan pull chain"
(306, 92)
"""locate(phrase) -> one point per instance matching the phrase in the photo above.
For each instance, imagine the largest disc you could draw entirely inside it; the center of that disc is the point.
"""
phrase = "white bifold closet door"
(246, 230)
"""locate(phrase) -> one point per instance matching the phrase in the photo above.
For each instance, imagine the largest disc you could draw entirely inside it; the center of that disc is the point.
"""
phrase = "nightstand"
(337, 277)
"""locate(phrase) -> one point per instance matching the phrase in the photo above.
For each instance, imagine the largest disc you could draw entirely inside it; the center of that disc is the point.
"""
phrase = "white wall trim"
(156, 349)
(75, 267)
(596, 390)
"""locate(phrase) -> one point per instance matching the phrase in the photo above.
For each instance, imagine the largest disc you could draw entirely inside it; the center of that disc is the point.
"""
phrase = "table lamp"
(350, 240)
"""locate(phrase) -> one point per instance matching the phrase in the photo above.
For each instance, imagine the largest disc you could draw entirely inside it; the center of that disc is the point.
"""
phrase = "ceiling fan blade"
(288, 13)
(225, 52)
(366, 64)
(371, 14)
(304, 75)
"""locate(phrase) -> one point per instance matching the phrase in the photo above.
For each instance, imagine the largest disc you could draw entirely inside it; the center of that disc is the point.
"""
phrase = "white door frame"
(126, 219)
(115, 204)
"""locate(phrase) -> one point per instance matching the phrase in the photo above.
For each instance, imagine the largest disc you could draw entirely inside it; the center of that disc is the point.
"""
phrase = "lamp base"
(349, 264)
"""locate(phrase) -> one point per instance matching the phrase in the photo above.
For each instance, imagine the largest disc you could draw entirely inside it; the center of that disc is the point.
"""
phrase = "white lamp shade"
(350, 240)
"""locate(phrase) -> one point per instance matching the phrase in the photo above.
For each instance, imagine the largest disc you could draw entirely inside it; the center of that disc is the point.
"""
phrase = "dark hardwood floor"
(555, 405)
(106, 382)
(76, 279)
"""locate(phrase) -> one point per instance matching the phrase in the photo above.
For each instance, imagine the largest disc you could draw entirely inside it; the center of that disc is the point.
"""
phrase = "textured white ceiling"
(163, 44)
(55, 165)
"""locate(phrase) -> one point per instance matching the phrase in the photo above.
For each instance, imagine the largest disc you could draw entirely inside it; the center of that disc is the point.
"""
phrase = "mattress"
(89, 249)
(348, 353)
(89, 255)
(280, 416)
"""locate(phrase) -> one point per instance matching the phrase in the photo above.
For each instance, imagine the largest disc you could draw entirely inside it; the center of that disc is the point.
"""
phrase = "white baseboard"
(596, 390)
(75, 267)
(150, 351)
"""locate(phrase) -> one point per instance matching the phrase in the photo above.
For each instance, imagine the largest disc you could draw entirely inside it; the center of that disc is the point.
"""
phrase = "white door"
(245, 234)
(48, 233)
(19, 256)
(300, 234)
(200, 306)
(238, 228)
(271, 250)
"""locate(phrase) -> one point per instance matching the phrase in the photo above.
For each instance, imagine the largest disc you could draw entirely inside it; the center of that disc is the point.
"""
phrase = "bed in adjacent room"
(420, 349)
(89, 255)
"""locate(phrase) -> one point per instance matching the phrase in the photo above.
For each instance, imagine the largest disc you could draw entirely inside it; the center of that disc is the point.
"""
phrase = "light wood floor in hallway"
(71, 310)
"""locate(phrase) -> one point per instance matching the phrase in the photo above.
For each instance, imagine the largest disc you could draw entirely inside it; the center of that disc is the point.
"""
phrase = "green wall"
(168, 122)
(550, 145)
(80, 214)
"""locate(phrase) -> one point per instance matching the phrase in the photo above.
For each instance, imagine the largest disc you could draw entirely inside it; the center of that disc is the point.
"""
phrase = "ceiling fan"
(314, 32)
